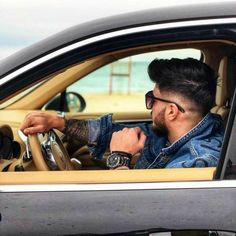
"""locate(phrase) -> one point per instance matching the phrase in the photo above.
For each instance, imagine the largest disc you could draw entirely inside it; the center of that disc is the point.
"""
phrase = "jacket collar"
(209, 122)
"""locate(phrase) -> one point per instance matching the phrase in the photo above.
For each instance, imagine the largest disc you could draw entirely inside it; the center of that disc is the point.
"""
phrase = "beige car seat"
(225, 86)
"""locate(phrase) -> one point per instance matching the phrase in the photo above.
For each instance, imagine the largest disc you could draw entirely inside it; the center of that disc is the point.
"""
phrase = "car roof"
(146, 17)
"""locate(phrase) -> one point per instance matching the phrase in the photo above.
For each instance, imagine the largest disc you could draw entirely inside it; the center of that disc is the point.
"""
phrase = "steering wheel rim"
(56, 150)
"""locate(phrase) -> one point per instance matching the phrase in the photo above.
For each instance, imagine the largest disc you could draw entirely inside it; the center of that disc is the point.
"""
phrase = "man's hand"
(129, 140)
(37, 122)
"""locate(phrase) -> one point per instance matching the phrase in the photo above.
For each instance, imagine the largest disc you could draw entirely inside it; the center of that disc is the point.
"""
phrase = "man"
(184, 133)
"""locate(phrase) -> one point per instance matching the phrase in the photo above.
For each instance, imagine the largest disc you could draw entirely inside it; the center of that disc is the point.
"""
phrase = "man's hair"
(189, 78)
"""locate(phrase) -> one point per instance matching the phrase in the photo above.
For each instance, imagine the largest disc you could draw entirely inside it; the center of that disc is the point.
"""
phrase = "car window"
(120, 86)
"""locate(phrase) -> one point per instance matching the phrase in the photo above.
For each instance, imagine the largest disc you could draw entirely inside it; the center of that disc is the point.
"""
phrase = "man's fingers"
(142, 139)
(25, 124)
(34, 129)
(129, 140)
(28, 131)
(28, 122)
(137, 130)
(31, 130)
(34, 122)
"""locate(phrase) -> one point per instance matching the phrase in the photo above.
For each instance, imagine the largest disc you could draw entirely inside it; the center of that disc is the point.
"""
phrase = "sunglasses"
(150, 100)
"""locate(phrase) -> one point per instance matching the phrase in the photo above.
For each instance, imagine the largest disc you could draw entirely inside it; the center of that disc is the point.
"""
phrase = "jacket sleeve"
(100, 132)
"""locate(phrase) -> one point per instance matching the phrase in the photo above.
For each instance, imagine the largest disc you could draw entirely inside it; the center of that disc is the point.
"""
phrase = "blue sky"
(24, 22)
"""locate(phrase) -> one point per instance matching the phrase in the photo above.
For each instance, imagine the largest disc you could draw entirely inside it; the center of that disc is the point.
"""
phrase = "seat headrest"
(226, 80)
(221, 88)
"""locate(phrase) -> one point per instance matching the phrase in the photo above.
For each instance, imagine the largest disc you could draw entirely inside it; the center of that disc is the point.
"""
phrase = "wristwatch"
(118, 158)
(61, 114)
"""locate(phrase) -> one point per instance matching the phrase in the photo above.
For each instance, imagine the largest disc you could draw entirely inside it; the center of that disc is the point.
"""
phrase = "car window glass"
(120, 86)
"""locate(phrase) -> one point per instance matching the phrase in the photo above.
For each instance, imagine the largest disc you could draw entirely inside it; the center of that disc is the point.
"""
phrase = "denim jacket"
(200, 147)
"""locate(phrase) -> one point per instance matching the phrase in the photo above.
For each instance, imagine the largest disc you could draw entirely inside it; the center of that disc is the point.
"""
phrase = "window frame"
(132, 39)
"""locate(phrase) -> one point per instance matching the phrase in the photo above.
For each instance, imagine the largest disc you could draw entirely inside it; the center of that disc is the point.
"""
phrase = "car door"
(100, 202)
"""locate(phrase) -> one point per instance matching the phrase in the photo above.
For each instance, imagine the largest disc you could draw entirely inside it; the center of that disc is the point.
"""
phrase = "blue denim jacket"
(200, 147)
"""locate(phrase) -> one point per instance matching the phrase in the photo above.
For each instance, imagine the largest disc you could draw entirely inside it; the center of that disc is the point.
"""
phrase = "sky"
(24, 22)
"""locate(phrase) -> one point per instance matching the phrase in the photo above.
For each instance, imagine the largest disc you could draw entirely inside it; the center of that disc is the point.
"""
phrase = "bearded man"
(183, 134)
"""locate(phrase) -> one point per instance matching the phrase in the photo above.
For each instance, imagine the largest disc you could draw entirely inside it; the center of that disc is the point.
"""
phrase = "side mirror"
(71, 102)
(75, 102)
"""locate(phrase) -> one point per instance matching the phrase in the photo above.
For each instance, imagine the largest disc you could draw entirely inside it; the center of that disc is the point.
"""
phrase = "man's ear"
(172, 111)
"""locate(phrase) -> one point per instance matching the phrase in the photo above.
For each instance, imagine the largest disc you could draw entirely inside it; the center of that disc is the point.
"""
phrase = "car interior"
(47, 94)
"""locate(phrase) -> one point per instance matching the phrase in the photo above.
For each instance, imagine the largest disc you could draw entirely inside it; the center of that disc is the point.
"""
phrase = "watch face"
(113, 160)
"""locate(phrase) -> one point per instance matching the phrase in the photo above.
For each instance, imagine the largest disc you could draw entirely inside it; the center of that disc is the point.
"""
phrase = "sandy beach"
(114, 102)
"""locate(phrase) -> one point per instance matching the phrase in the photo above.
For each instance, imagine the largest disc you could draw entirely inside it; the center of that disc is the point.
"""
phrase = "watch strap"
(124, 159)
(127, 154)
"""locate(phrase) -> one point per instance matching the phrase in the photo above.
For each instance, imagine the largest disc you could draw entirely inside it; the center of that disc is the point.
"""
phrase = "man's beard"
(159, 124)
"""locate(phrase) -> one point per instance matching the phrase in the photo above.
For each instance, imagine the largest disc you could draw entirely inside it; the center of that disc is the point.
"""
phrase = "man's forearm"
(77, 129)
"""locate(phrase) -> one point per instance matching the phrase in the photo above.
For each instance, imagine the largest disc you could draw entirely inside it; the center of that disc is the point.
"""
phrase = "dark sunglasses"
(150, 99)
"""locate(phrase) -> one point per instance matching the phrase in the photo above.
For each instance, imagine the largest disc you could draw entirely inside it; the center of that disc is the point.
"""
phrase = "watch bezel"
(110, 160)
(122, 160)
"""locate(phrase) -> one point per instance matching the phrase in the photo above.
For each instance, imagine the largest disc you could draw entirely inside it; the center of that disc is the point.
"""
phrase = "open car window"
(104, 85)
(107, 90)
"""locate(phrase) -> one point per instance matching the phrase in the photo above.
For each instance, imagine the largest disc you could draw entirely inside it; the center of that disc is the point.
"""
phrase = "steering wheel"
(49, 154)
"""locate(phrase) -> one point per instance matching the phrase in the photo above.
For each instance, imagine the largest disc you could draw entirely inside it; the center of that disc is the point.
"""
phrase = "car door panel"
(106, 209)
